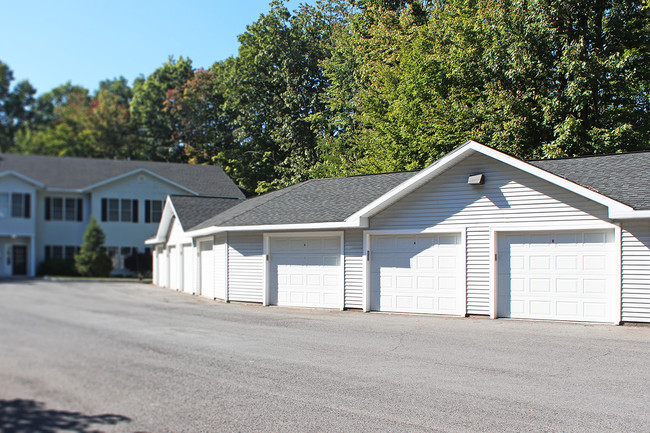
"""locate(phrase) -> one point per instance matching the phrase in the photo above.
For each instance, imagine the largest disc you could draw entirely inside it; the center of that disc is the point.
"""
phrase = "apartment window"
(153, 211)
(63, 209)
(113, 254)
(116, 210)
(4, 205)
(16, 205)
(124, 253)
(61, 251)
(20, 205)
(70, 251)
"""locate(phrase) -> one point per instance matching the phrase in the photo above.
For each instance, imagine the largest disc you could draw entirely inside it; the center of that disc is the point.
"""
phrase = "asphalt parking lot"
(124, 357)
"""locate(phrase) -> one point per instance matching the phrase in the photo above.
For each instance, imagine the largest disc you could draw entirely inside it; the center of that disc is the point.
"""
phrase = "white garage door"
(174, 269)
(557, 275)
(417, 273)
(207, 269)
(306, 272)
(188, 269)
(157, 263)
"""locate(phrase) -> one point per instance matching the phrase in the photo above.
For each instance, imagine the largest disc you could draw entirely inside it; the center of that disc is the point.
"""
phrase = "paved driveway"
(132, 358)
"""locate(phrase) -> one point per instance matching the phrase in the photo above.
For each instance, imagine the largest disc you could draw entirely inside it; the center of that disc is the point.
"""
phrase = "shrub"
(92, 260)
(62, 267)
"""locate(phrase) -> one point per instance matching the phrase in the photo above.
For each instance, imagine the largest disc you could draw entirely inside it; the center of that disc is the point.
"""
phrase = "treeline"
(344, 87)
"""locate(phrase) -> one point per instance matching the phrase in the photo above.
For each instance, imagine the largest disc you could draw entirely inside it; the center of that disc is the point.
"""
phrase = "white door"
(557, 275)
(174, 269)
(219, 252)
(420, 273)
(188, 269)
(207, 269)
(306, 272)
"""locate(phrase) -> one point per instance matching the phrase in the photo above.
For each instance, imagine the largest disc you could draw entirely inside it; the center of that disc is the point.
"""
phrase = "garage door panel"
(188, 269)
(306, 272)
(415, 273)
(559, 276)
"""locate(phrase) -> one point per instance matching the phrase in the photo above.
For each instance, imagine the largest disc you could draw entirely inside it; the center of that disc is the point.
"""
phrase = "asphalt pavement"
(126, 357)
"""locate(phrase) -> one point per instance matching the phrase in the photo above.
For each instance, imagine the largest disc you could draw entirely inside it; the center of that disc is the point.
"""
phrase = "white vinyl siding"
(478, 270)
(354, 262)
(635, 271)
(220, 266)
(509, 196)
(245, 267)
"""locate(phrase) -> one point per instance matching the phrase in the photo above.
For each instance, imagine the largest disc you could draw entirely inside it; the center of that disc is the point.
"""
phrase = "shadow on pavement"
(28, 416)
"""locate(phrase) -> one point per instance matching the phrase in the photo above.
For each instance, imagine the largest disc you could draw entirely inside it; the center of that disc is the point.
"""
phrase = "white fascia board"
(136, 171)
(629, 215)
(274, 227)
(465, 150)
(22, 177)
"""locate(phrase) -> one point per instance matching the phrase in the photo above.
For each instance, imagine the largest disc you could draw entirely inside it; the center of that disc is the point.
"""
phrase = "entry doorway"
(19, 254)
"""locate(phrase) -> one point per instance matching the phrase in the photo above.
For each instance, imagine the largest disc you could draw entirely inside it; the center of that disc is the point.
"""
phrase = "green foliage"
(16, 107)
(534, 79)
(93, 260)
(344, 87)
(70, 122)
(58, 267)
(156, 125)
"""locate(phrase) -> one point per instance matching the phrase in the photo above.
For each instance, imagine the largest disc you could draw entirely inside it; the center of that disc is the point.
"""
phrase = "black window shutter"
(104, 209)
(147, 211)
(135, 211)
(48, 208)
(48, 254)
(28, 205)
(80, 209)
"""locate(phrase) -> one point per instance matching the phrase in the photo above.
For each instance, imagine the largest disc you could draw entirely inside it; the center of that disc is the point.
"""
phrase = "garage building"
(476, 233)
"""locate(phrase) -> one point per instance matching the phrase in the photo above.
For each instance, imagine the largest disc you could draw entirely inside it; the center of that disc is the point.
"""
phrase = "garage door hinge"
(495, 257)
(267, 257)
(368, 255)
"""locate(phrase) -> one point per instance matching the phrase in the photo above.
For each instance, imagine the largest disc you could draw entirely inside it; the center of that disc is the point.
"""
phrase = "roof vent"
(476, 179)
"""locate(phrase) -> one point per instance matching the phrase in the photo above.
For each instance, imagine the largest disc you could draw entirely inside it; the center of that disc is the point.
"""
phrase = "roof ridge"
(588, 156)
(207, 196)
(362, 175)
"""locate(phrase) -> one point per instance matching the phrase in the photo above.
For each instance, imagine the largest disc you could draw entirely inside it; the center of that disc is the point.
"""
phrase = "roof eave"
(22, 177)
(629, 215)
(358, 223)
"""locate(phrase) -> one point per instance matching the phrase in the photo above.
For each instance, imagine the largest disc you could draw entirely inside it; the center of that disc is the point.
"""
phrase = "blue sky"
(50, 42)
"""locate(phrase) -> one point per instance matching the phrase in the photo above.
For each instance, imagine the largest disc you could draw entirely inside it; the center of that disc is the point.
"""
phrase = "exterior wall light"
(476, 179)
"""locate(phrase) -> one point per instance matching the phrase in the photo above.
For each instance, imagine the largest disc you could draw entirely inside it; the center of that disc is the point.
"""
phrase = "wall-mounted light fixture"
(476, 179)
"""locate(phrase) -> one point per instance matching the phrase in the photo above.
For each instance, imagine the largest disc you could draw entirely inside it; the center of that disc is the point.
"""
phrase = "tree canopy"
(360, 86)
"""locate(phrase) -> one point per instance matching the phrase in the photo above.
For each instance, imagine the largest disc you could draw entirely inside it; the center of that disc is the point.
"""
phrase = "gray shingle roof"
(313, 201)
(624, 177)
(80, 173)
(191, 210)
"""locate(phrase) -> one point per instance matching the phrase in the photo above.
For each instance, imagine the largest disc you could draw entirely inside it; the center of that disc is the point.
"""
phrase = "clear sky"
(50, 42)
